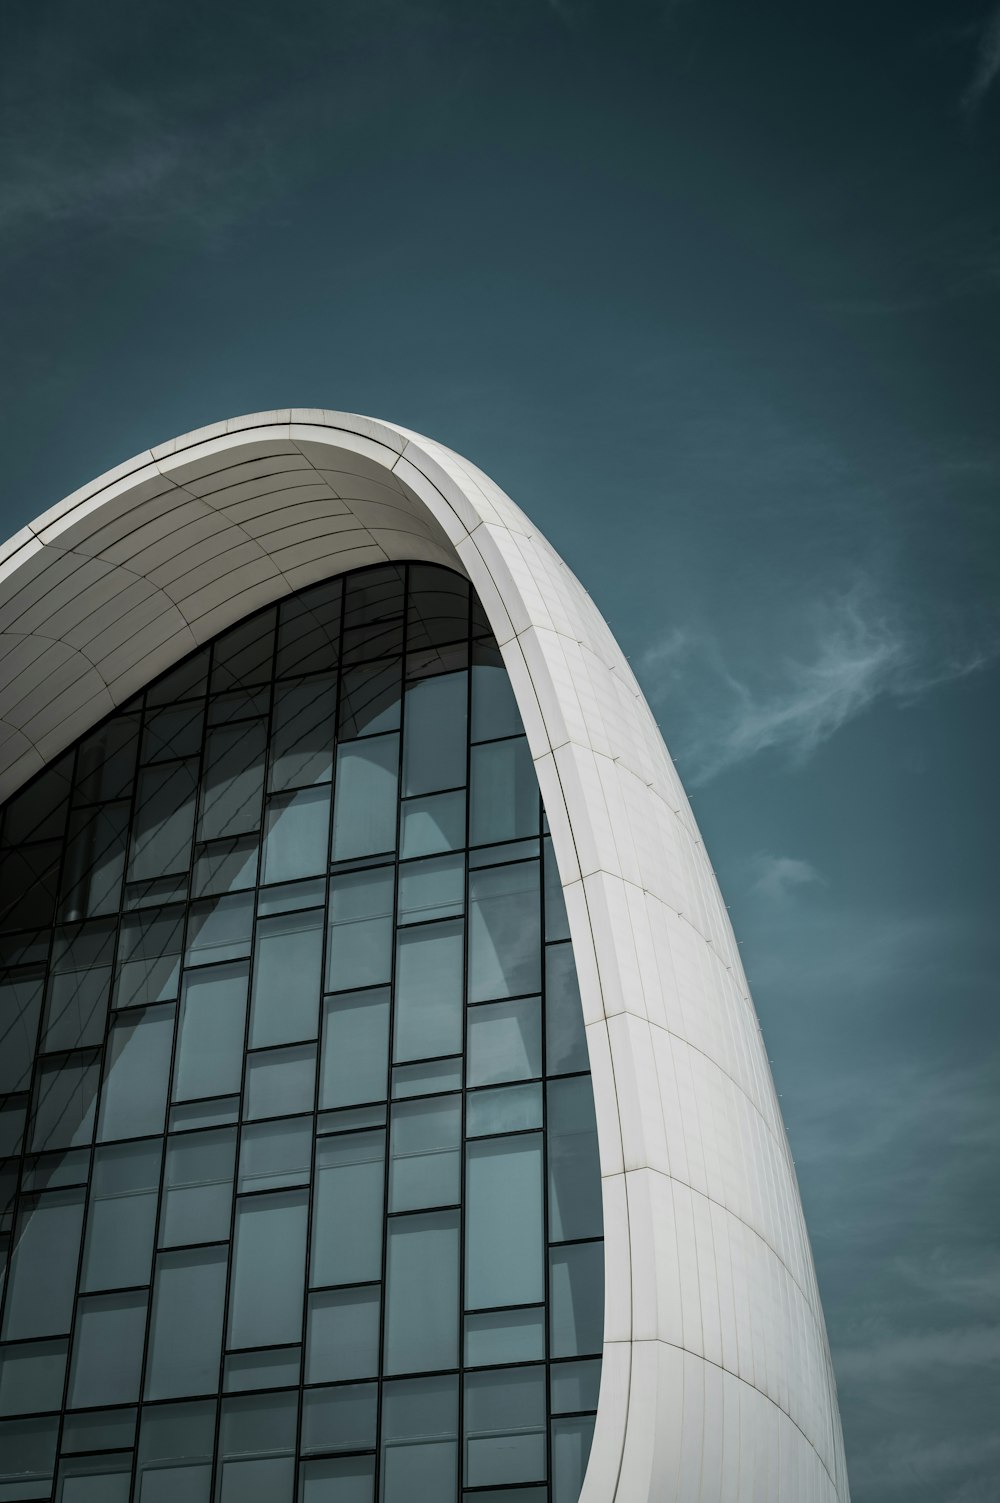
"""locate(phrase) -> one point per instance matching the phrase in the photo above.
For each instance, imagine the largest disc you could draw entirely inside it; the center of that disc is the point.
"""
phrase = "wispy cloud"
(987, 67)
(856, 652)
(780, 877)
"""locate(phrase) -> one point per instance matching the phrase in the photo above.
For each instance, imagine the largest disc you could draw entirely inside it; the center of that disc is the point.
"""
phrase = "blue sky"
(713, 289)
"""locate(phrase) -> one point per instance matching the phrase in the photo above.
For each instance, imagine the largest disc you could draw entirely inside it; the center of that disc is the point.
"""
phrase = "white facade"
(717, 1385)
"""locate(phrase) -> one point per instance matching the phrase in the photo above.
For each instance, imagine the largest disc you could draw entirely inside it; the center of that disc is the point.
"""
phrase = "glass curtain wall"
(300, 1187)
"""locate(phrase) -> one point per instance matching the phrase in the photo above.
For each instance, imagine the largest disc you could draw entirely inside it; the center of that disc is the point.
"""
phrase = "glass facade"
(299, 1182)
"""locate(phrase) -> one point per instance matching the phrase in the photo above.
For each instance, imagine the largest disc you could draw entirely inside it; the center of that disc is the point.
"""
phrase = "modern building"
(385, 1113)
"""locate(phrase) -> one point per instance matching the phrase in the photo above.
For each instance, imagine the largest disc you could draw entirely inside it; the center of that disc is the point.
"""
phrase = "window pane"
(243, 655)
(499, 1336)
(370, 699)
(106, 760)
(20, 1007)
(504, 1236)
(298, 833)
(421, 1330)
(438, 602)
(433, 889)
(94, 862)
(269, 1250)
(309, 630)
(281, 1082)
(565, 1036)
(212, 1029)
(64, 1104)
(504, 792)
(149, 957)
(494, 708)
(176, 1442)
(576, 1299)
(104, 1431)
(78, 989)
(434, 741)
(426, 1164)
(286, 978)
(433, 824)
(164, 821)
(505, 1041)
(121, 1223)
(44, 1266)
(275, 1154)
(302, 732)
(185, 1339)
(571, 1442)
(504, 938)
(575, 1208)
(360, 940)
(31, 1377)
(340, 1419)
(107, 1349)
(355, 1060)
(172, 732)
(511, 1109)
(94, 1479)
(364, 806)
(505, 1427)
(346, 1479)
(233, 780)
(428, 1078)
(429, 991)
(342, 1340)
(198, 1188)
(27, 1454)
(575, 1385)
(226, 866)
(134, 1101)
(220, 929)
(262, 1369)
(347, 1209)
(419, 1439)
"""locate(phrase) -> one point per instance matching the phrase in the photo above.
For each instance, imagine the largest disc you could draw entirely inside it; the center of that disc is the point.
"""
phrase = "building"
(386, 1114)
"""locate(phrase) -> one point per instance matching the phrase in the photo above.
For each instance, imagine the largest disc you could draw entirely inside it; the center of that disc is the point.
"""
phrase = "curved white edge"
(717, 1385)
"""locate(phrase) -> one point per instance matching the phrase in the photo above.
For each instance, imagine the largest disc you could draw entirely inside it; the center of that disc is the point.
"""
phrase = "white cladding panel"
(717, 1385)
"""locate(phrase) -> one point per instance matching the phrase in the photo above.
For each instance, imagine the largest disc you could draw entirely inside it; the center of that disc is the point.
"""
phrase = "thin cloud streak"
(859, 655)
(987, 63)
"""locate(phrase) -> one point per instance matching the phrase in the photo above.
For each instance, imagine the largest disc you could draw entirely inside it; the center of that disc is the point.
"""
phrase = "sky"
(712, 288)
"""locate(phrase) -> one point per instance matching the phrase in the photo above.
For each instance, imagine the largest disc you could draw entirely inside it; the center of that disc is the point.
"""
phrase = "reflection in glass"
(434, 741)
(342, 1339)
(284, 1003)
(198, 1187)
(504, 801)
(185, 1336)
(364, 800)
(44, 1266)
(107, 1349)
(504, 1251)
(421, 1321)
(210, 1038)
(504, 932)
(355, 1057)
(359, 948)
(134, 1099)
(118, 1251)
(269, 1252)
(429, 990)
(347, 1209)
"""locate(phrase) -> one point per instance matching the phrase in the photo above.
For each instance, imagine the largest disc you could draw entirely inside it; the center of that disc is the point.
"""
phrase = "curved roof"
(716, 1382)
